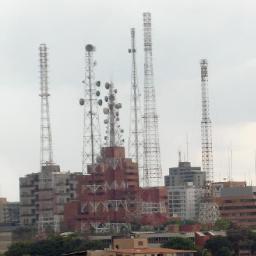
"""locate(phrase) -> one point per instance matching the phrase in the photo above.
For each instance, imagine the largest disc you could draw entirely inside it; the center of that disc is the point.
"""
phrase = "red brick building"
(109, 197)
(238, 204)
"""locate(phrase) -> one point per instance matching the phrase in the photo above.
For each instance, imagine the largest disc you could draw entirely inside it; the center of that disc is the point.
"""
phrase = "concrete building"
(184, 201)
(9, 212)
(109, 197)
(43, 195)
(238, 204)
(184, 173)
(218, 186)
(137, 247)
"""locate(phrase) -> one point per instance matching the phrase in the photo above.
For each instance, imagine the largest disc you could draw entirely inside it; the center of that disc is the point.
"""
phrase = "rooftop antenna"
(179, 154)
(90, 103)
(187, 144)
(206, 125)
(46, 155)
(152, 172)
(255, 163)
(135, 143)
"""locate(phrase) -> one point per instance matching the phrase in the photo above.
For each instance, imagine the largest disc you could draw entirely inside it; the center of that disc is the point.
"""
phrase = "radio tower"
(46, 157)
(135, 142)
(206, 132)
(152, 172)
(91, 129)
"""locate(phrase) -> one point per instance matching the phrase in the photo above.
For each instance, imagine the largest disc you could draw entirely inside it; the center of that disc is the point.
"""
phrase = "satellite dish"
(98, 83)
(106, 121)
(107, 85)
(118, 105)
(98, 93)
(81, 102)
(100, 102)
(89, 48)
(105, 111)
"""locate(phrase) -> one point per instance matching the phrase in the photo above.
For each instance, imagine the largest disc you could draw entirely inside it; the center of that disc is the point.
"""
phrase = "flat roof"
(151, 250)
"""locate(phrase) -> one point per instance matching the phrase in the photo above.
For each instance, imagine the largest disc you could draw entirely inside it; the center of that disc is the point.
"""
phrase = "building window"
(140, 243)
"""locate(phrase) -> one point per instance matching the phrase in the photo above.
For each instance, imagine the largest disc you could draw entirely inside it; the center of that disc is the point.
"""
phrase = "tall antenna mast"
(135, 142)
(152, 172)
(46, 157)
(206, 125)
(91, 129)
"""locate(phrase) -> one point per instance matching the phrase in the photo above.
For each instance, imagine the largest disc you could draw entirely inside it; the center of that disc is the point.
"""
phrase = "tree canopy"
(54, 246)
(179, 243)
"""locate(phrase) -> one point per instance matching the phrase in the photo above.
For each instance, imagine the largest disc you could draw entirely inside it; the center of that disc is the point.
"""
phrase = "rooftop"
(150, 250)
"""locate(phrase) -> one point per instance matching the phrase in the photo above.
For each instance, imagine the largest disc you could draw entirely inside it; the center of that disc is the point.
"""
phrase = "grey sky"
(183, 32)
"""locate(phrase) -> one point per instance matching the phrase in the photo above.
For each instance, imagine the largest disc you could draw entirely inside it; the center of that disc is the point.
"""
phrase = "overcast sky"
(223, 31)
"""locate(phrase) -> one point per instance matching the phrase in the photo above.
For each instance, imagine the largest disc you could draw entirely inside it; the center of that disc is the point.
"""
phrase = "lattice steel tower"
(46, 156)
(91, 129)
(135, 142)
(152, 172)
(206, 129)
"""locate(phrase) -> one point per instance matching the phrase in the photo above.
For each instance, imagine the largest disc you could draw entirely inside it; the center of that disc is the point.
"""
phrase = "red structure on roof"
(109, 197)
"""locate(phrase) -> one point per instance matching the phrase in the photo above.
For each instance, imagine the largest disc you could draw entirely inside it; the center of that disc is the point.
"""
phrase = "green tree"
(179, 243)
(53, 246)
(224, 251)
(217, 244)
(222, 224)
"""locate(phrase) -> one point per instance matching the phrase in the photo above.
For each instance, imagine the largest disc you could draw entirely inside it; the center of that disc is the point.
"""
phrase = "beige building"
(137, 247)
(9, 212)
(43, 196)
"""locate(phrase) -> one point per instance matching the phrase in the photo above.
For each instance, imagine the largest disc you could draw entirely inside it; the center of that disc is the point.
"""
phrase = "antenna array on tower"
(135, 142)
(46, 156)
(152, 172)
(114, 133)
(206, 125)
(91, 129)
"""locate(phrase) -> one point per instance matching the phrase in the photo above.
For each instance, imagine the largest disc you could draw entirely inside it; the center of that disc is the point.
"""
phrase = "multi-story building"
(136, 247)
(9, 212)
(43, 196)
(179, 176)
(109, 197)
(184, 201)
(238, 204)
(218, 186)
